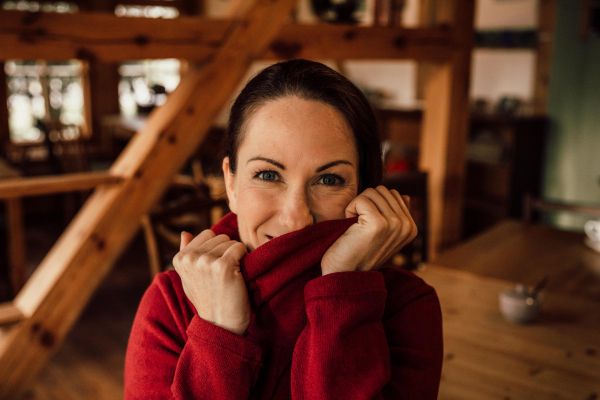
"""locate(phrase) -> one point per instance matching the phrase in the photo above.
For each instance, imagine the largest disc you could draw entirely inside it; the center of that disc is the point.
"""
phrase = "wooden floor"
(90, 363)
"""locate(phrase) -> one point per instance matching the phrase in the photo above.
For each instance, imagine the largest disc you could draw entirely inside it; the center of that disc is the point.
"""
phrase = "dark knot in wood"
(31, 18)
(100, 243)
(47, 339)
(85, 54)
(350, 34)
(141, 40)
(286, 50)
(400, 42)
(35, 328)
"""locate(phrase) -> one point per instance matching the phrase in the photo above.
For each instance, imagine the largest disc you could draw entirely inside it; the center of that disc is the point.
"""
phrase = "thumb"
(186, 238)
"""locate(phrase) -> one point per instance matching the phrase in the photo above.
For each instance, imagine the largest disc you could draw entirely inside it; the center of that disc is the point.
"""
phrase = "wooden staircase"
(37, 321)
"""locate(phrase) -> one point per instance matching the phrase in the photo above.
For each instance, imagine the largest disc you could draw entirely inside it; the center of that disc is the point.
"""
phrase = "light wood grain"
(487, 357)
(54, 296)
(21, 187)
(107, 38)
(444, 131)
(9, 314)
(526, 253)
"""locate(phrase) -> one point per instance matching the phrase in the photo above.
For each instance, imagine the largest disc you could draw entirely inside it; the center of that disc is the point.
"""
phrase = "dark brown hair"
(314, 81)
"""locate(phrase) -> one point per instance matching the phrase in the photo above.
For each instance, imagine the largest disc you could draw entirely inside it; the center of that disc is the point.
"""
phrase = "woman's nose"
(296, 214)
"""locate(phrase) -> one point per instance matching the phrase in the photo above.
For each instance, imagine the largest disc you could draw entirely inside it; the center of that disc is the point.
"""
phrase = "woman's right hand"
(209, 267)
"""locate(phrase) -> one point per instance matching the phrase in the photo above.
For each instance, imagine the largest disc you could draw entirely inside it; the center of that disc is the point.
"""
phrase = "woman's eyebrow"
(277, 164)
(331, 164)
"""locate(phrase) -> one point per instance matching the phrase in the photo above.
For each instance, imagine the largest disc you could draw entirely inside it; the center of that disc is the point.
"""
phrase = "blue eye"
(331, 180)
(268, 175)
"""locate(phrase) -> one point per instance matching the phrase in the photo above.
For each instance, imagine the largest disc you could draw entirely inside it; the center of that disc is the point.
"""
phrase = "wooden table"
(519, 252)
(16, 233)
(487, 357)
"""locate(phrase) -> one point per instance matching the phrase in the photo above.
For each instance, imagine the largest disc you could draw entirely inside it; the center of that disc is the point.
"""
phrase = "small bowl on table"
(519, 305)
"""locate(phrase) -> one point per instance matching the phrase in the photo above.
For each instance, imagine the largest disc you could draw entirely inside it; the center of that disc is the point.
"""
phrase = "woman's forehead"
(291, 125)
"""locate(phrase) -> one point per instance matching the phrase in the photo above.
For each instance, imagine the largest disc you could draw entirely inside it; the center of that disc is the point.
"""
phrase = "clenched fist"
(209, 267)
(384, 226)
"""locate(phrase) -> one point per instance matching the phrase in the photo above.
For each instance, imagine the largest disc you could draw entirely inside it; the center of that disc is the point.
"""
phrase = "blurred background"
(507, 188)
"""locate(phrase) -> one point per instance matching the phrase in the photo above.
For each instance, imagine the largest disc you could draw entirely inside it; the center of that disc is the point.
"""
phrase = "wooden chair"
(186, 206)
(532, 205)
(413, 184)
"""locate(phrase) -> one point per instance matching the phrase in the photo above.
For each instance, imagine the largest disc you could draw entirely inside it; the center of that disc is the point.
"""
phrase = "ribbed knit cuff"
(344, 283)
(225, 339)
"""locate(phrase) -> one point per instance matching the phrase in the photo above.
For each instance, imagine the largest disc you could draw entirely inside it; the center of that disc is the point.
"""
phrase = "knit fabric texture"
(346, 335)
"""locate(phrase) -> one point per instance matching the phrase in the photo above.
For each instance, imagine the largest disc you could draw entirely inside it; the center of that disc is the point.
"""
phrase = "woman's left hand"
(384, 226)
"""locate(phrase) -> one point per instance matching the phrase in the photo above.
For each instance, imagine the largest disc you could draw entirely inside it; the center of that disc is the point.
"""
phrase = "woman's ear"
(229, 185)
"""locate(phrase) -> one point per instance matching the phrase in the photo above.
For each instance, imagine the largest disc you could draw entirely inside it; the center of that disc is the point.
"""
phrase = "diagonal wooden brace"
(55, 295)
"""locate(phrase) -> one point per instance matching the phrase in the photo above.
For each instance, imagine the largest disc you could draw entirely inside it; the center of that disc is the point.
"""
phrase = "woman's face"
(297, 165)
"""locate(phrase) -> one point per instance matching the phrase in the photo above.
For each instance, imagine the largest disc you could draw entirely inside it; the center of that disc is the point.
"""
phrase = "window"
(41, 92)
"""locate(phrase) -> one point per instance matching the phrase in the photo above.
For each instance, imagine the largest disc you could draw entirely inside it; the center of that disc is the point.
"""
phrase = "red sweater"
(346, 335)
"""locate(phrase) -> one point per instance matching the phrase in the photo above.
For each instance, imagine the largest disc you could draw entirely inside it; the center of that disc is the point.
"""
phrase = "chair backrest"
(532, 204)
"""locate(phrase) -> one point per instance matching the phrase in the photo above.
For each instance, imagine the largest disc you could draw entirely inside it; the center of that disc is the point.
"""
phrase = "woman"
(282, 298)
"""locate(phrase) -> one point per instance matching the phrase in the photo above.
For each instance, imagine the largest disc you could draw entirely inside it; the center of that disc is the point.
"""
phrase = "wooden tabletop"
(487, 357)
(520, 252)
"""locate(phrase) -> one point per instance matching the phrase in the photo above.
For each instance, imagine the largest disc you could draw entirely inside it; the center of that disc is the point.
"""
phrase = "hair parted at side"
(310, 80)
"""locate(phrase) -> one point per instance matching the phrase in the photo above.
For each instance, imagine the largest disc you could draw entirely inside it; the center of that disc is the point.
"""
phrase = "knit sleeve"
(168, 359)
(349, 350)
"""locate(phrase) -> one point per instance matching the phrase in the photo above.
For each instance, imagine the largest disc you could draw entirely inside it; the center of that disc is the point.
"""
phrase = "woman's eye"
(268, 175)
(331, 180)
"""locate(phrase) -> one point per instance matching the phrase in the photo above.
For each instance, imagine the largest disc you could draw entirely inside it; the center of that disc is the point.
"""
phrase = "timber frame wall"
(52, 299)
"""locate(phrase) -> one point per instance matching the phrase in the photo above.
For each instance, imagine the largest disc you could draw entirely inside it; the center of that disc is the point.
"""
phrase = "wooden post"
(55, 295)
(4, 132)
(444, 133)
(547, 18)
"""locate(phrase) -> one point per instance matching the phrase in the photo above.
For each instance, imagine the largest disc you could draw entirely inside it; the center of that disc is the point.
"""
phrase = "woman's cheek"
(329, 204)
(256, 206)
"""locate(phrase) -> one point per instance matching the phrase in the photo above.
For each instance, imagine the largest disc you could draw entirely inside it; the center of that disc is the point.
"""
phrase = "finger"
(406, 200)
(210, 244)
(235, 252)
(220, 249)
(391, 200)
(402, 202)
(186, 238)
(202, 237)
(380, 202)
(361, 206)
(405, 206)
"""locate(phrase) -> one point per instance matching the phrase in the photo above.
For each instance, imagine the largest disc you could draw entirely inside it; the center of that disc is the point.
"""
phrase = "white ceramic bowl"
(518, 306)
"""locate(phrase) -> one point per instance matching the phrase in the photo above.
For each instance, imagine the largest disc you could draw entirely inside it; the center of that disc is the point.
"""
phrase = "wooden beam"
(9, 314)
(21, 187)
(547, 21)
(106, 38)
(444, 134)
(54, 296)
(4, 131)
(348, 42)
